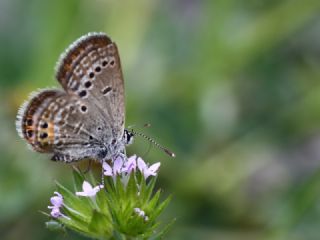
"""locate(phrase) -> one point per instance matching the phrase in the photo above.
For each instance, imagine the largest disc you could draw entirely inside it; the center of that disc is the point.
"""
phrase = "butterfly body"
(86, 118)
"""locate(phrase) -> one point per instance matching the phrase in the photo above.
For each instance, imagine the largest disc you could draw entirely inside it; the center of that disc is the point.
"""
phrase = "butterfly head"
(128, 137)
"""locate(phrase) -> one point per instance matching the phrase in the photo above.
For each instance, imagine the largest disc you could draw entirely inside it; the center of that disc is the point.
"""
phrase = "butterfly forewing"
(91, 69)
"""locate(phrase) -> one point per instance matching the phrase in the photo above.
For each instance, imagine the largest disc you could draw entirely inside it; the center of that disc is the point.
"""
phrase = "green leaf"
(119, 188)
(100, 225)
(132, 189)
(146, 195)
(75, 224)
(77, 216)
(161, 207)
(102, 201)
(78, 180)
(165, 229)
(118, 236)
(154, 201)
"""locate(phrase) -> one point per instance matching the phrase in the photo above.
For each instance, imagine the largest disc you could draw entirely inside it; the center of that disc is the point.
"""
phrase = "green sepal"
(154, 201)
(158, 210)
(75, 224)
(78, 179)
(119, 188)
(148, 190)
(100, 225)
(102, 199)
(164, 231)
(132, 189)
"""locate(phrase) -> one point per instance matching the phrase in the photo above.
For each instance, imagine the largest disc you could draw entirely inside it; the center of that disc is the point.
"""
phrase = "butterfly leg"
(102, 175)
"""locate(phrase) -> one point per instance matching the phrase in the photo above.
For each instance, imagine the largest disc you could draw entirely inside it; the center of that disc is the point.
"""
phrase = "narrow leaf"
(78, 179)
(165, 230)
(101, 225)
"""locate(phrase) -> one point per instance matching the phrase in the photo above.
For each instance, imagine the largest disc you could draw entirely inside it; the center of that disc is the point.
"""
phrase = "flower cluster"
(125, 205)
(132, 163)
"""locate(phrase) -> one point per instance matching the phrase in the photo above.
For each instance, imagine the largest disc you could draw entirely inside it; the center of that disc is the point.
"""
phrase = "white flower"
(88, 190)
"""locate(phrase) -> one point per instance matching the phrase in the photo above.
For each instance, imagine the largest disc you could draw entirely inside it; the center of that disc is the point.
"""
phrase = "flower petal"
(141, 165)
(56, 201)
(130, 165)
(97, 188)
(84, 194)
(107, 169)
(58, 194)
(86, 187)
(55, 212)
(154, 168)
(146, 173)
(117, 165)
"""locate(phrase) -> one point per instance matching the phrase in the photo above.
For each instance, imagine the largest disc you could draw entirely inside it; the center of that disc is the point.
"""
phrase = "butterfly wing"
(51, 122)
(91, 70)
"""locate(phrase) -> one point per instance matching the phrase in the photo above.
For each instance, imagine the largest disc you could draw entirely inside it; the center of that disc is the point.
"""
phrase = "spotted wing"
(53, 122)
(91, 70)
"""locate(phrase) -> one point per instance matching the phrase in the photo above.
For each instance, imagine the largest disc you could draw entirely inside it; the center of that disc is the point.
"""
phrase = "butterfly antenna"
(167, 151)
(146, 125)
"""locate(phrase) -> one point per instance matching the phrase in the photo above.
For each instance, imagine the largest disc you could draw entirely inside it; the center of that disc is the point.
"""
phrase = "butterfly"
(86, 119)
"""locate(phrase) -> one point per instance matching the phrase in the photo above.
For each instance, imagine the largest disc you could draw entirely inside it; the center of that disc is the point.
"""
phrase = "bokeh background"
(232, 86)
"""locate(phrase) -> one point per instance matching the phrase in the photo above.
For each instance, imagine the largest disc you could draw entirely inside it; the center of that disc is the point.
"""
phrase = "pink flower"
(88, 190)
(107, 169)
(120, 166)
(116, 169)
(117, 165)
(147, 171)
(57, 203)
(130, 165)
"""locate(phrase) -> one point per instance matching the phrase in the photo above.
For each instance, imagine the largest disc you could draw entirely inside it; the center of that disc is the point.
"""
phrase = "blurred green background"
(232, 86)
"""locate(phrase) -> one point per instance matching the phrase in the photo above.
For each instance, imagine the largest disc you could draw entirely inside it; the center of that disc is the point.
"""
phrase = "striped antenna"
(167, 151)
